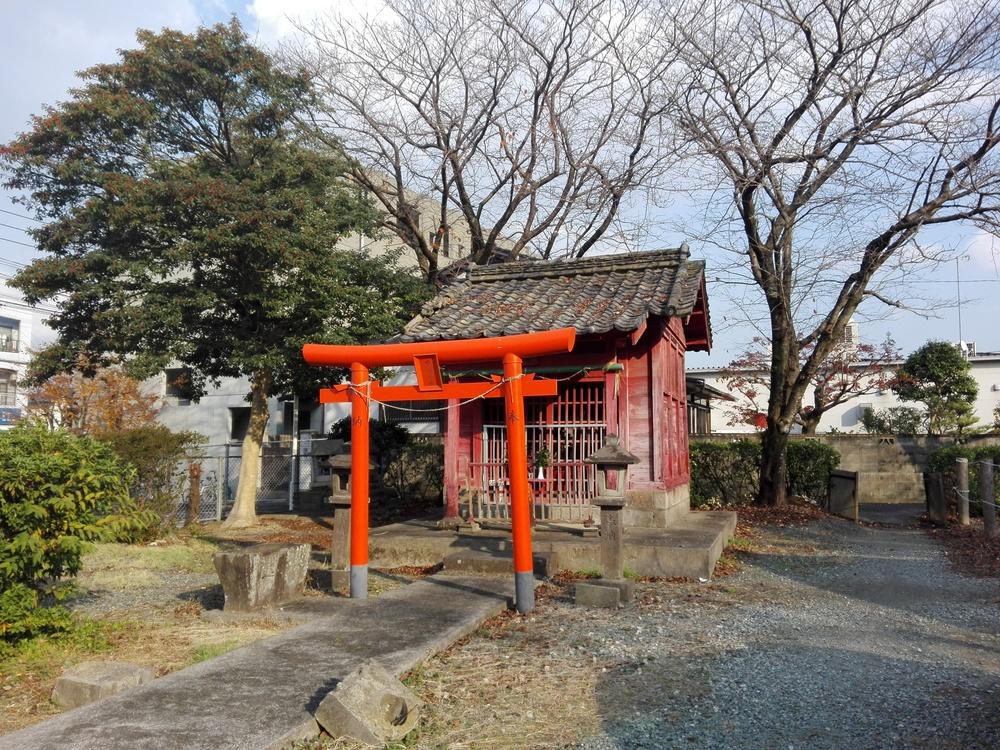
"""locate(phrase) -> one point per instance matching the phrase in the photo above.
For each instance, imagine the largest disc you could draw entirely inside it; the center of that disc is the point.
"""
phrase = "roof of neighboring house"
(698, 387)
(593, 295)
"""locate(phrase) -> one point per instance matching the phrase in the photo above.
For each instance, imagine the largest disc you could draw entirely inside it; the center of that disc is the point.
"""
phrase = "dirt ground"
(135, 603)
(824, 634)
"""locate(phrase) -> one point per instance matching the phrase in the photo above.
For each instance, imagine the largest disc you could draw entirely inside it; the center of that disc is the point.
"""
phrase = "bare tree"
(840, 131)
(529, 122)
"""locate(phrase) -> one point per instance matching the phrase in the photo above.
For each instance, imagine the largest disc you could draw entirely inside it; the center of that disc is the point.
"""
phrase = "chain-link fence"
(286, 479)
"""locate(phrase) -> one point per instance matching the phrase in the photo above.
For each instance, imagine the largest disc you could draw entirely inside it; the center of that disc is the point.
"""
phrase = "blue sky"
(46, 42)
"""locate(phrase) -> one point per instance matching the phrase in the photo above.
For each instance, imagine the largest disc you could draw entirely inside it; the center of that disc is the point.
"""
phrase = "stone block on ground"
(491, 563)
(261, 576)
(593, 594)
(369, 706)
(92, 680)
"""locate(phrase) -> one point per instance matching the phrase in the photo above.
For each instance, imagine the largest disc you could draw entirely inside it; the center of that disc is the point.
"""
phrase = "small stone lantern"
(340, 499)
(612, 463)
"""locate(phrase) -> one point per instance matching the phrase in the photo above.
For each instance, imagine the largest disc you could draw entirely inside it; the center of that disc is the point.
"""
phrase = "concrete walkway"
(892, 514)
(263, 695)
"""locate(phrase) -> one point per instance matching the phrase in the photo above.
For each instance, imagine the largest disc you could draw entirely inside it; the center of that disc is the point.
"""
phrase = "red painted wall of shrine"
(643, 401)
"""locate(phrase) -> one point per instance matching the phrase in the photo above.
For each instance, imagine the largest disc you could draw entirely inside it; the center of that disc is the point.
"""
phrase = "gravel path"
(848, 637)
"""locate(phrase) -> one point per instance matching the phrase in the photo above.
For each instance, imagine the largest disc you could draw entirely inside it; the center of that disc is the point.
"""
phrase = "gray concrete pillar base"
(524, 591)
(359, 581)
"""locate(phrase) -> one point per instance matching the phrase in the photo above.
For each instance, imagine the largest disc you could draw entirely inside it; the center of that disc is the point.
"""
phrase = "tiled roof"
(593, 295)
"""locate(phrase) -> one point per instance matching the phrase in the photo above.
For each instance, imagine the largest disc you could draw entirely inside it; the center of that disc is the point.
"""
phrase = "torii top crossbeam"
(426, 358)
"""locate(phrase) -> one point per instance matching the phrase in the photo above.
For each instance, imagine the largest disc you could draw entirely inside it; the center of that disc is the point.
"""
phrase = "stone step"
(489, 563)
(688, 548)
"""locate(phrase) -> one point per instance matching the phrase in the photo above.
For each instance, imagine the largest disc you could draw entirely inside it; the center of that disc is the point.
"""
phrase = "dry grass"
(160, 632)
(119, 567)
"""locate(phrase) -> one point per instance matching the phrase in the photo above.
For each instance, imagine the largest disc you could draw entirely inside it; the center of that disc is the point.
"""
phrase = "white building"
(21, 327)
(847, 417)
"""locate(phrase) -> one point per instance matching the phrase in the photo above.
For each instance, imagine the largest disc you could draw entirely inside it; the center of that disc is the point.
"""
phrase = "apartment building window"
(8, 388)
(239, 422)
(10, 334)
(178, 384)
(445, 248)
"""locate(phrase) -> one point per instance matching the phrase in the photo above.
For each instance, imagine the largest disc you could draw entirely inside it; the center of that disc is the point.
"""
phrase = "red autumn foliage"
(850, 371)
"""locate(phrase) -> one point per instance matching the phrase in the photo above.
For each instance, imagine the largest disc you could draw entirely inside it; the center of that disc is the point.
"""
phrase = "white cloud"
(983, 251)
(277, 19)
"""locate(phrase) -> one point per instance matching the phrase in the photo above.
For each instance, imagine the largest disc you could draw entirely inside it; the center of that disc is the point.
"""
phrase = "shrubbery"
(155, 452)
(728, 473)
(58, 493)
(408, 467)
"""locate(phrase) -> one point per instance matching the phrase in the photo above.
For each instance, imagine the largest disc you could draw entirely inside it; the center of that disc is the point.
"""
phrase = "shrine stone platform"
(688, 548)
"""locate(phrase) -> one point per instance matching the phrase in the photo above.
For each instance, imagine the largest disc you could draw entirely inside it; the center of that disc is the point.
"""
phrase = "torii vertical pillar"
(520, 494)
(359, 481)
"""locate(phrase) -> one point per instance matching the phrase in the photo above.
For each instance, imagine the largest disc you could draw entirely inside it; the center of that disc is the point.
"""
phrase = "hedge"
(728, 473)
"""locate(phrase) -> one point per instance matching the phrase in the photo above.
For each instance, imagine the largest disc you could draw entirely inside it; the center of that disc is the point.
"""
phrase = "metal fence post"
(962, 475)
(987, 490)
(220, 486)
(226, 480)
(292, 451)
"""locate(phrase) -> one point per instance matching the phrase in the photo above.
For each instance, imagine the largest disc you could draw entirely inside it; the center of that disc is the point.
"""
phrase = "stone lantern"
(612, 463)
(340, 499)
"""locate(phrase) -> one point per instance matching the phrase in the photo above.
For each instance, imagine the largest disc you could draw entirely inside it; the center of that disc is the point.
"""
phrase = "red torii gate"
(426, 359)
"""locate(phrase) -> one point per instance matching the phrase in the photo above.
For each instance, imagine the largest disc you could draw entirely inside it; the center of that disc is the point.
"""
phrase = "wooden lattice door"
(567, 429)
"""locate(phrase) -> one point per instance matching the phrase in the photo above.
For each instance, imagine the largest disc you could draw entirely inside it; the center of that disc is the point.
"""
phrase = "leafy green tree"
(938, 376)
(895, 420)
(186, 222)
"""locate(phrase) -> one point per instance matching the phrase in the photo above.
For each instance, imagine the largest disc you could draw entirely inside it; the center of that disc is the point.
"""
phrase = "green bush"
(408, 467)
(417, 472)
(387, 439)
(724, 473)
(22, 617)
(809, 465)
(58, 493)
(155, 452)
(728, 473)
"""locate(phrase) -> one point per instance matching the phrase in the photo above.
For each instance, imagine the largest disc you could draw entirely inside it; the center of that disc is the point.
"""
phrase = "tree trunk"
(810, 423)
(244, 512)
(773, 468)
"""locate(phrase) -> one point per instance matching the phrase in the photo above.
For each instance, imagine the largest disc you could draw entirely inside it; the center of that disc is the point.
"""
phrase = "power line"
(11, 226)
(25, 306)
(20, 216)
(15, 242)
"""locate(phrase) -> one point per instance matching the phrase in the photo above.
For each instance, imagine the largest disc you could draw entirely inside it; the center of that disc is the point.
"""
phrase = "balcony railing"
(9, 343)
(8, 397)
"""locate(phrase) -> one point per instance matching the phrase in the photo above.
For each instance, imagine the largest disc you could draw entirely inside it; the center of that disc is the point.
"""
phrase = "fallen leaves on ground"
(968, 549)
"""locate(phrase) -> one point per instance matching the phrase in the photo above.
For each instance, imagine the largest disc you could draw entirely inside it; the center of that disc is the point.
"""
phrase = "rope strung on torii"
(426, 359)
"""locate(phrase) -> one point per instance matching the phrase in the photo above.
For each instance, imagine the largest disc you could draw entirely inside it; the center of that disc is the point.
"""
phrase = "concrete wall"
(657, 509)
